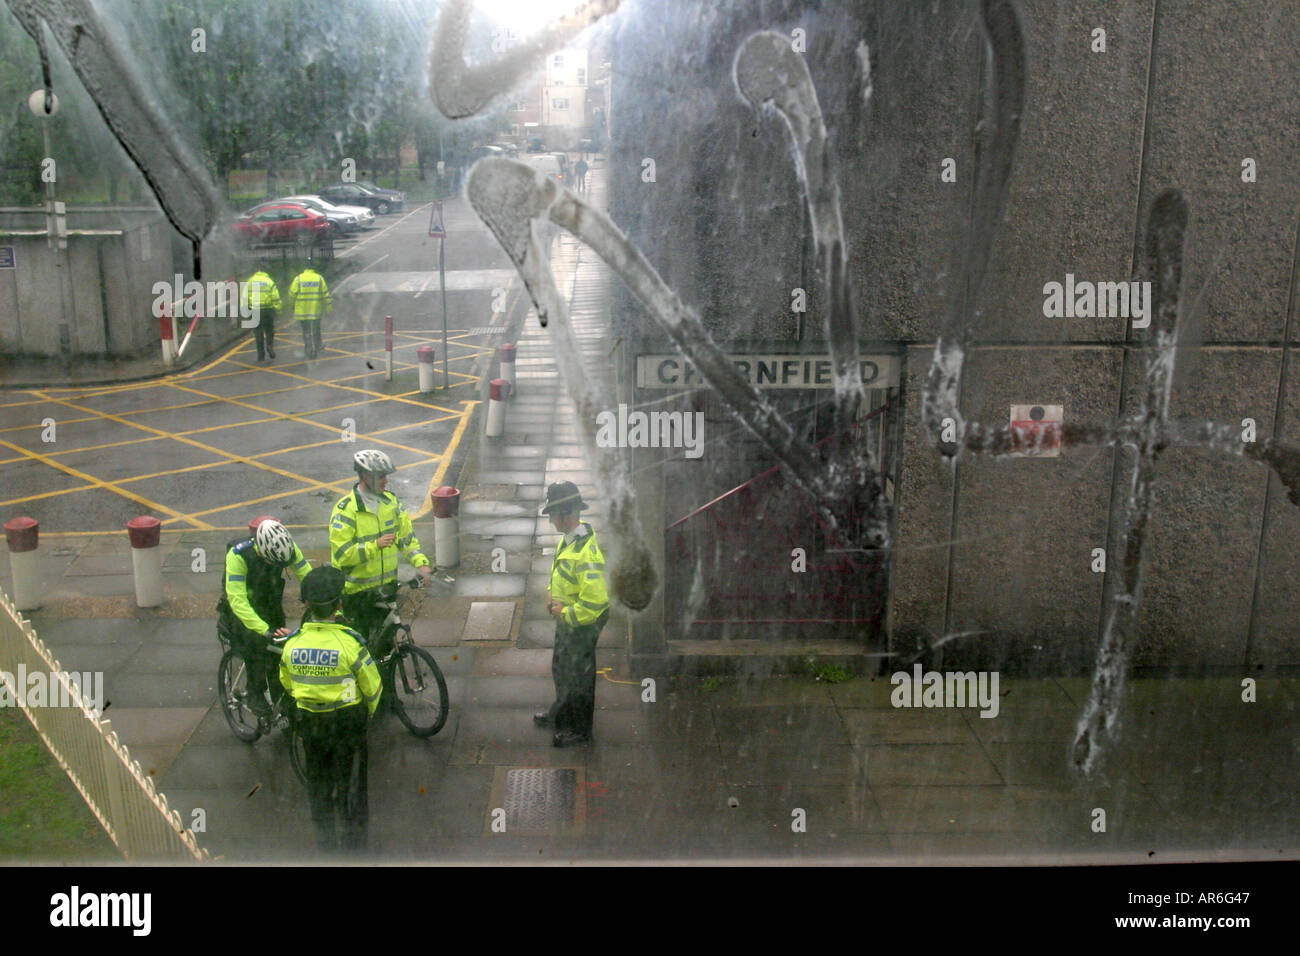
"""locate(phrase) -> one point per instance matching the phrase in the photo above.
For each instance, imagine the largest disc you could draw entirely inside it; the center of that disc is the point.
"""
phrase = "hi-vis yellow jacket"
(353, 532)
(260, 292)
(578, 578)
(326, 667)
(310, 294)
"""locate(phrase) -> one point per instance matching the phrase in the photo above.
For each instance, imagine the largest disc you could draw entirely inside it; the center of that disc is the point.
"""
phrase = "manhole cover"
(539, 799)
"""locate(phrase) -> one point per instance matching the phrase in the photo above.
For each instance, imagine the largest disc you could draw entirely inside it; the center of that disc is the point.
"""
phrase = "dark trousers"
(264, 333)
(310, 336)
(363, 616)
(573, 668)
(335, 745)
(262, 666)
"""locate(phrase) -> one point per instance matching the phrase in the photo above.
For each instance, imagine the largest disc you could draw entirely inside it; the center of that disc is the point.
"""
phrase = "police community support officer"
(335, 683)
(251, 608)
(311, 299)
(580, 606)
(369, 530)
(262, 299)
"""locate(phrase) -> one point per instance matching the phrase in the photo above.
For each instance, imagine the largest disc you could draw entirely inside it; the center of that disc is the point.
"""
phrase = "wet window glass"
(657, 430)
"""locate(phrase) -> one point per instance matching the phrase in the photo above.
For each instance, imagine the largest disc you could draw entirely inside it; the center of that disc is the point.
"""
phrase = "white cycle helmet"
(274, 543)
(372, 461)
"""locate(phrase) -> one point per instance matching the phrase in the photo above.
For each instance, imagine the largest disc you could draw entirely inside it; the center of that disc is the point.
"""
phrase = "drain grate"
(539, 800)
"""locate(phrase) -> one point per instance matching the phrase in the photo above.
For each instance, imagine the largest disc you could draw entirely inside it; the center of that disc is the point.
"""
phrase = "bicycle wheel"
(297, 751)
(419, 693)
(232, 693)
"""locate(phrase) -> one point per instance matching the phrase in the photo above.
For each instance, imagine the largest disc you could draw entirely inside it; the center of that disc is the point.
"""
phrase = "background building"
(998, 550)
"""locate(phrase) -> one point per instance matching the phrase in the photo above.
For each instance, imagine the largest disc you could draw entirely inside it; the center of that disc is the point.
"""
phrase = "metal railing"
(119, 793)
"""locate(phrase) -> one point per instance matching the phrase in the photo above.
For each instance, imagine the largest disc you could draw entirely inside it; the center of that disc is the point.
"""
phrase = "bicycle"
(421, 703)
(245, 724)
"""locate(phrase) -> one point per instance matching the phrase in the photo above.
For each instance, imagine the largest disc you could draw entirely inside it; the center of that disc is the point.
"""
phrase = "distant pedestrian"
(580, 174)
(261, 299)
(578, 602)
(311, 300)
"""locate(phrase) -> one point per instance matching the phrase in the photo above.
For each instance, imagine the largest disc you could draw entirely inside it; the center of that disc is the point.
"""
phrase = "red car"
(282, 222)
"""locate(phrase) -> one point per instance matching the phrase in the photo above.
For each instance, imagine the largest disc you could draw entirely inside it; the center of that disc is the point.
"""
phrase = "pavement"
(797, 767)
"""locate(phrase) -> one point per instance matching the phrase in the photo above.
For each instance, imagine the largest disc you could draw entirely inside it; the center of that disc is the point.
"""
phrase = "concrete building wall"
(1180, 97)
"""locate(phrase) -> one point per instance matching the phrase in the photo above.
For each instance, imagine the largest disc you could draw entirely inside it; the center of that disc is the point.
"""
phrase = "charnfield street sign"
(766, 371)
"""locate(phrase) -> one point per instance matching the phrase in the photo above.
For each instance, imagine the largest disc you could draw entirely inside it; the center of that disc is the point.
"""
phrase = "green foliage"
(41, 814)
(831, 673)
(711, 683)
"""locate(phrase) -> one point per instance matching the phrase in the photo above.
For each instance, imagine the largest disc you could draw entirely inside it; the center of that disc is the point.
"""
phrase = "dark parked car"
(282, 222)
(396, 197)
(354, 194)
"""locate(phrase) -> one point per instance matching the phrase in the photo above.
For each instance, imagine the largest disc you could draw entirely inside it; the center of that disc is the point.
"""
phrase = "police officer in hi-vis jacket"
(578, 602)
(335, 684)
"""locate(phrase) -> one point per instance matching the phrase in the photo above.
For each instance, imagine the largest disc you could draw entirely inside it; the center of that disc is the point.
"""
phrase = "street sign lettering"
(766, 371)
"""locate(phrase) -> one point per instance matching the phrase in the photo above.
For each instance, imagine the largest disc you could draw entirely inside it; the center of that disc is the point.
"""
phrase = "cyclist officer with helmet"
(251, 607)
(369, 532)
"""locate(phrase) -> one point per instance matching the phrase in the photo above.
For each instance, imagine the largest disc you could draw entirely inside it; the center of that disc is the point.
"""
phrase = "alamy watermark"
(638, 429)
(211, 300)
(951, 689)
(51, 688)
(1102, 300)
(75, 908)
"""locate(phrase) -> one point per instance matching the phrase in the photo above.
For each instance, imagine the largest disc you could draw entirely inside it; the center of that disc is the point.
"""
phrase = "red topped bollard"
(446, 527)
(22, 534)
(424, 356)
(252, 525)
(146, 559)
(506, 357)
(496, 416)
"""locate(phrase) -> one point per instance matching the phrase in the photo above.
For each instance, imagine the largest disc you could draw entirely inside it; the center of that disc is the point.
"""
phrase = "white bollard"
(496, 417)
(168, 338)
(22, 535)
(146, 560)
(446, 527)
(506, 355)
(424, 354)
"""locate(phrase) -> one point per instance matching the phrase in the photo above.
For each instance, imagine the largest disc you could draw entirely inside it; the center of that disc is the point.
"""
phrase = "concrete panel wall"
(1183, 93)
(1223, 89)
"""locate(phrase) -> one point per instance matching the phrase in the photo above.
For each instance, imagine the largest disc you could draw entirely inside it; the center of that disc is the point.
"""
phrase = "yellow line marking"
(363, 391)
(100, 483)
(436, 481)
(431, 421)
(290, 416)
(334, 486)
(48, 494)
(604, 672)
(70, 421)
(234, 459)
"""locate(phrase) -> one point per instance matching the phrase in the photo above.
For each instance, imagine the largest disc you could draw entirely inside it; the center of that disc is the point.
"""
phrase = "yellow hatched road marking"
(240, 459)
(427, 505)
(104, 485)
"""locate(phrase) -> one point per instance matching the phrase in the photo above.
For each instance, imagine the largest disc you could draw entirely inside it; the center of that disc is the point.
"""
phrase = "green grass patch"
(42, 817)
(830, 673)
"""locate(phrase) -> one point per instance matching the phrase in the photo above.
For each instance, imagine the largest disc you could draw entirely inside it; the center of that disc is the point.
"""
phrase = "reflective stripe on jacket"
(260, 293)
(310, 294)
(354, 530)
(578, 579)
(254, 588)
(325, 666)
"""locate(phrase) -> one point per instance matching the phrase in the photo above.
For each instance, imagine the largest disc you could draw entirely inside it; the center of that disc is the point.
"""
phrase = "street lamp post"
(44, 104)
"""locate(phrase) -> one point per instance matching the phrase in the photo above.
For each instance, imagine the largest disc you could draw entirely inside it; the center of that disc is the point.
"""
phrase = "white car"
(549, 164)
(350, 218)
